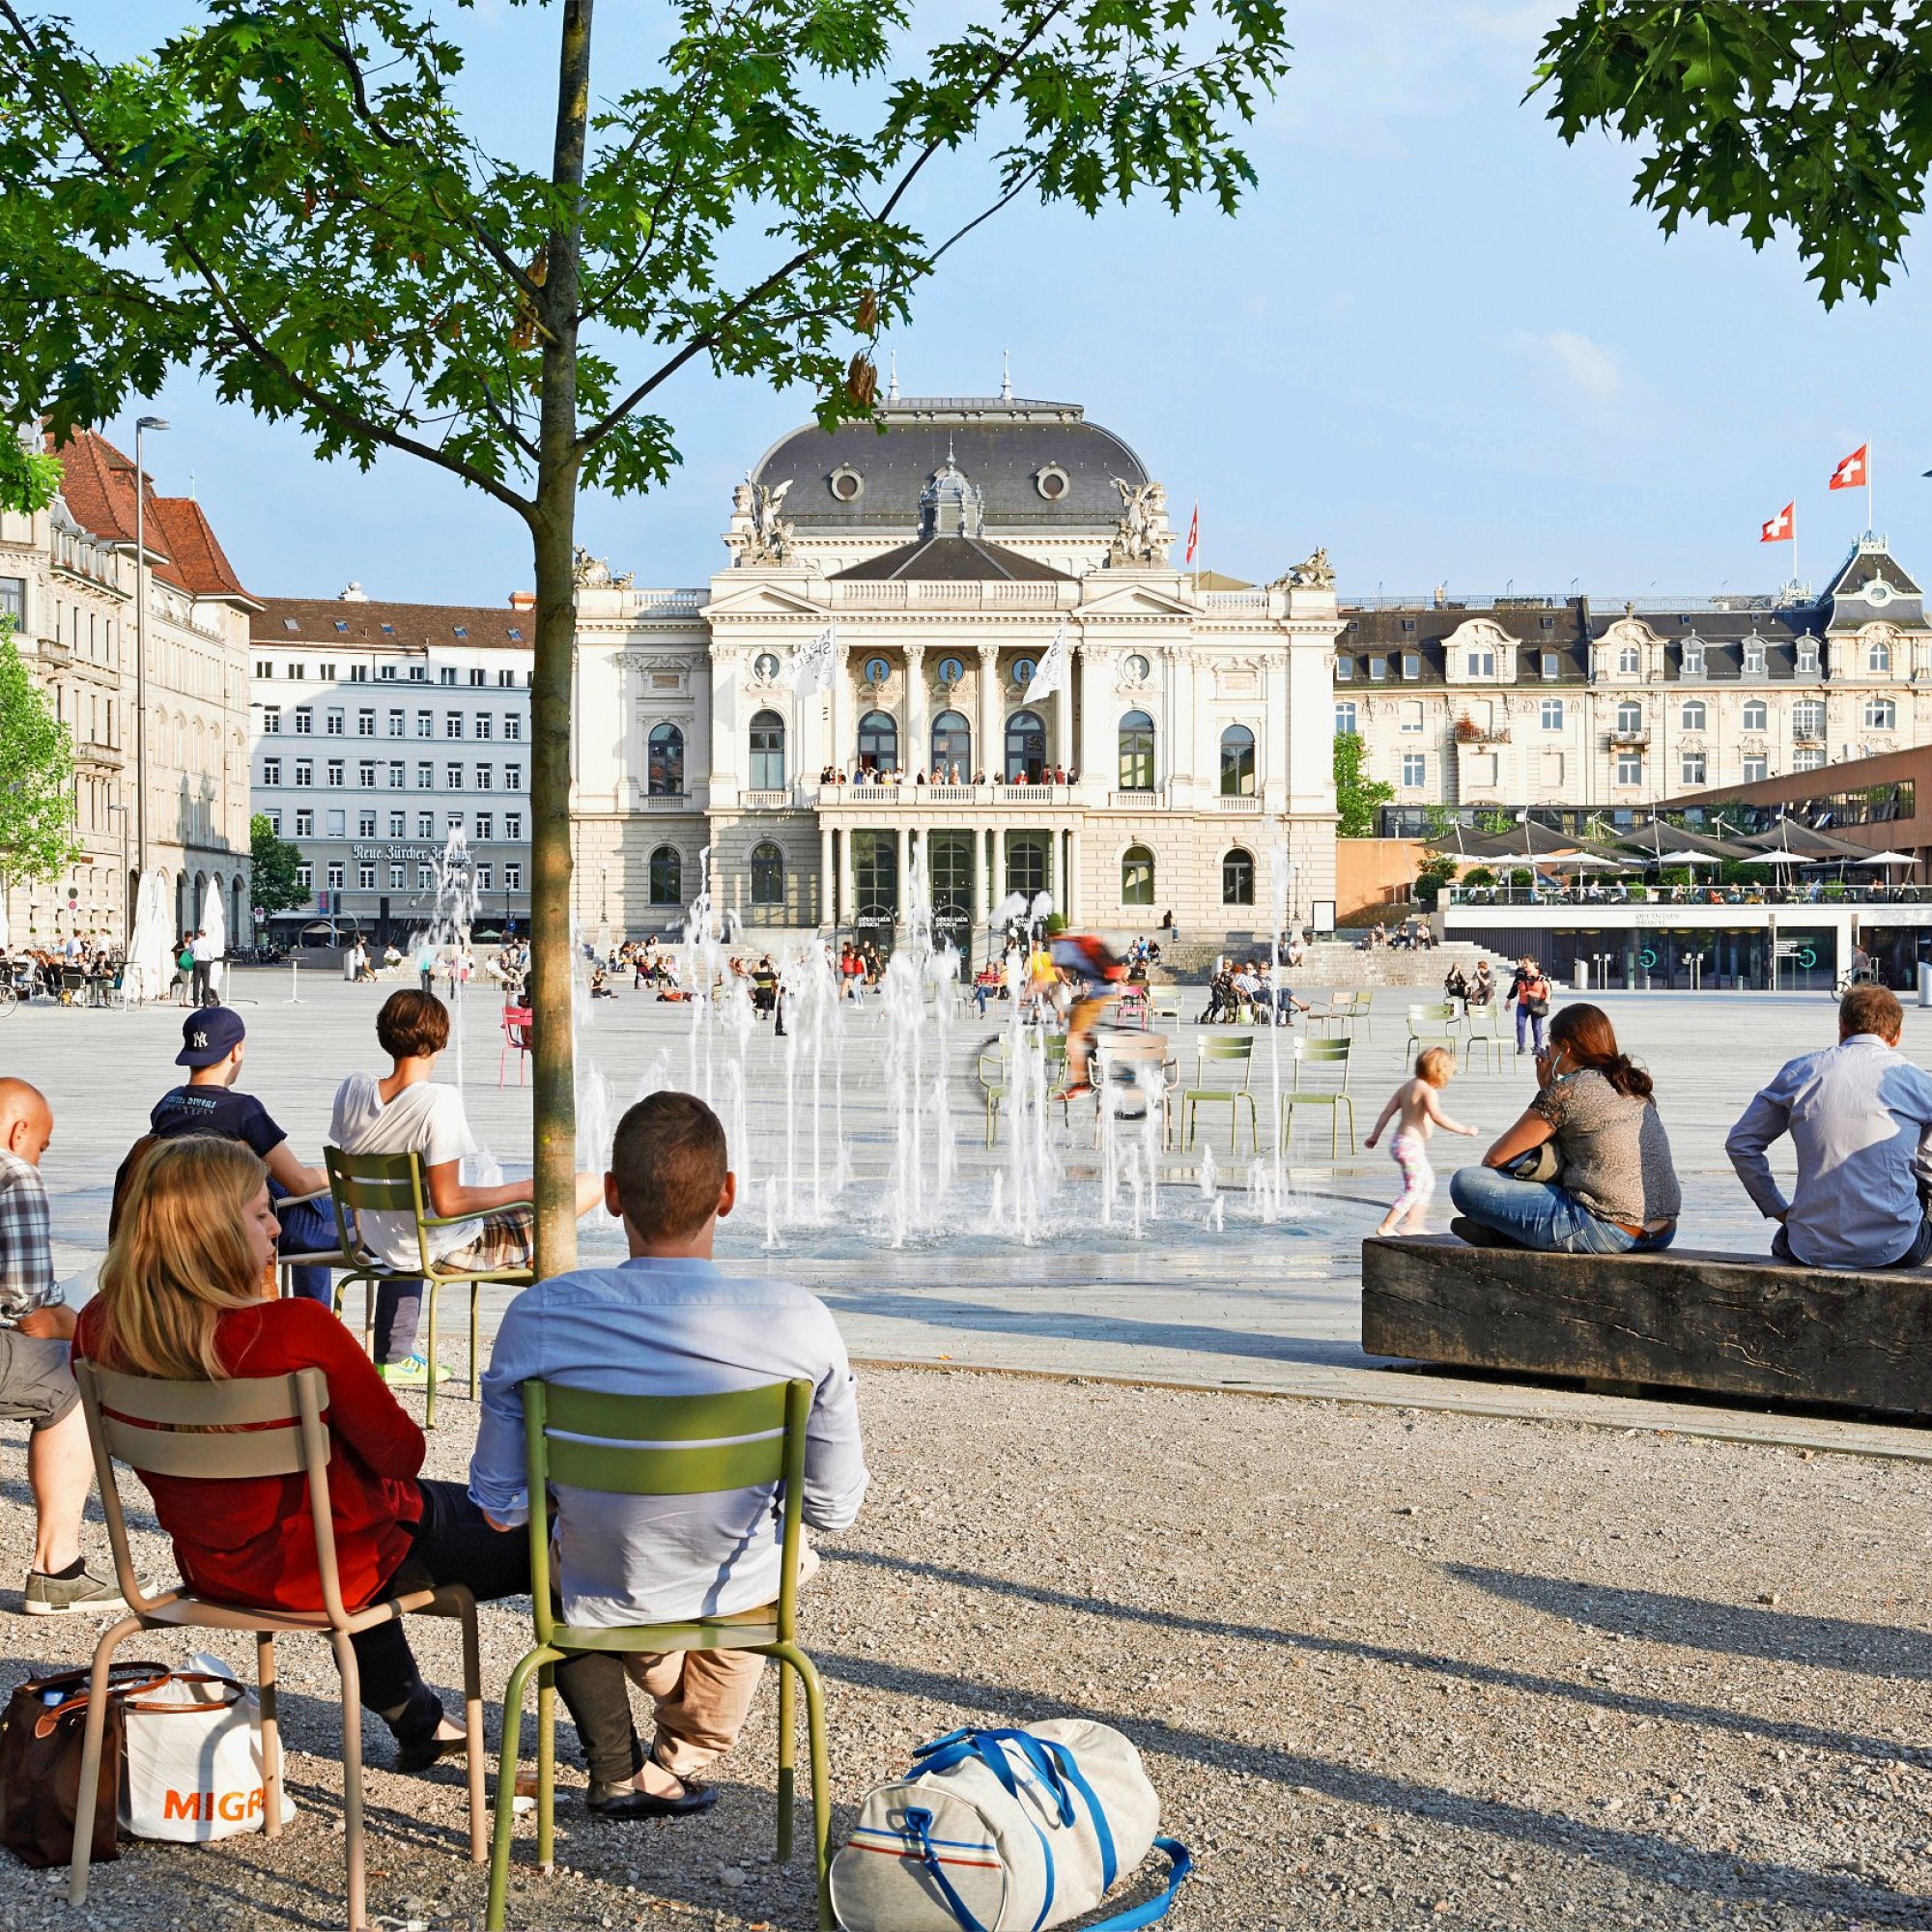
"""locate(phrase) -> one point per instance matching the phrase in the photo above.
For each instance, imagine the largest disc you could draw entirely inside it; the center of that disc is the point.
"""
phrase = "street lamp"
(142, 424)
(127, 894)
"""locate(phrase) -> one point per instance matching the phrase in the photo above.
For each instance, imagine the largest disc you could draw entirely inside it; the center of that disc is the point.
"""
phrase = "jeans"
(452, 1544)
(308, 1228)
(398, 1316)
(1538, 1023)
(1539, 1214)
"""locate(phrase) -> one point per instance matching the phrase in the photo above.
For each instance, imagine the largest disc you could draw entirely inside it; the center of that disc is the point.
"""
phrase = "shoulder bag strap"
(1154, 1909)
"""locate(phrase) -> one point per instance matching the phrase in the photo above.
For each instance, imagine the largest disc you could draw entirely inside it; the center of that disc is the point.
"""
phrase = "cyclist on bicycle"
(1095, 974)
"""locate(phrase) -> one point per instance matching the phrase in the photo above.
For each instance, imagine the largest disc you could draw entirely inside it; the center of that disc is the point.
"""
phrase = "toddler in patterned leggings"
(1417, 1111)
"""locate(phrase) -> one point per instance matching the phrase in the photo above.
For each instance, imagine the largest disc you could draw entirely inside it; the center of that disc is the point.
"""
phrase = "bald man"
(36, 1381)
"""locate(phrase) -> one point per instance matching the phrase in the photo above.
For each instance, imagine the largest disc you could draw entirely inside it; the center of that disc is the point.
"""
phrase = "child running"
(1417, 1112)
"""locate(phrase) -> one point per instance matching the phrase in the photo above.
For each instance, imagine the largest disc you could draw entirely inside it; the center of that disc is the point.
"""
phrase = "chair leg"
(475, 1344)
(787, 1753)
(429, 1351)
(352, 1780)
(472, 1726)
(504, 1823)
(821, 1774)
(271, 1735)
(89, 1755)
(547, 1767)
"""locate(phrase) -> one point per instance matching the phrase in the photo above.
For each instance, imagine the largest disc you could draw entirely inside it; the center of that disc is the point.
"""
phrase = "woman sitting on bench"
(1610, 1189)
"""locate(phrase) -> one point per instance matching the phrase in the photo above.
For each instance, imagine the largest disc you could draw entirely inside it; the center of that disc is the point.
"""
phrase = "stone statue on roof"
(768, 539)
(1314, 572)
(592, 573)
(1142, 535)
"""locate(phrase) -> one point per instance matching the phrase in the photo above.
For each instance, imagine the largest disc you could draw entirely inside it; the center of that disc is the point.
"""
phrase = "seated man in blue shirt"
(667, 1321)
(1859, 1116)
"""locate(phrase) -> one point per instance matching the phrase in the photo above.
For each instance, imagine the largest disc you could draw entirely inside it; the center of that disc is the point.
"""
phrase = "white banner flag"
(811, 664)
(1050, 674)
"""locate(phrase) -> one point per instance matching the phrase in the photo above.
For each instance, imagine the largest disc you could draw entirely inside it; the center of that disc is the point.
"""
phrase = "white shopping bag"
(194, 1750)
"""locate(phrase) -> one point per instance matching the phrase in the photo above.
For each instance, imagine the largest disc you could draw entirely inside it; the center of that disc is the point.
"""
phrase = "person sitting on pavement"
(213, 1046)
(187, 1292)
(406, 1112)
(37, 1385)
(1615, 1189)
(1859, 1116)
(667, 1321)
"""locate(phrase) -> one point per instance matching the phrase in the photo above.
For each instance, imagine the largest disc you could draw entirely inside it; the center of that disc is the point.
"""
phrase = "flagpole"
(1795, 578)
(1871, 525)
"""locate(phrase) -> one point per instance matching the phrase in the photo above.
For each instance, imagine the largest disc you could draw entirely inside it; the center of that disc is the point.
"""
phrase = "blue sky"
(1435, 340)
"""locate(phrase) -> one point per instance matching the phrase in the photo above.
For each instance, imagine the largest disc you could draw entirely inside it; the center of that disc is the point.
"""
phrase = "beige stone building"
(1178, 762)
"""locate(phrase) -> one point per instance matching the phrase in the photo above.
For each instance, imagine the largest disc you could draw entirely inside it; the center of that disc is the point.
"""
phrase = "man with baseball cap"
(213, 1046)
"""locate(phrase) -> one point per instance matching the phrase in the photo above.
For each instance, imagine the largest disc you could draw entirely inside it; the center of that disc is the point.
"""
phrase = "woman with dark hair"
(1611, 1189)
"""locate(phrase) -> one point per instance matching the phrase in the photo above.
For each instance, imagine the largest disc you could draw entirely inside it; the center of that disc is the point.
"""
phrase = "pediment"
(1131, 600)
(759, 600)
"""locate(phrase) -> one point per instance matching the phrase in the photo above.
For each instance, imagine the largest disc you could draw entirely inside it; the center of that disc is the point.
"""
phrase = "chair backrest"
(1237, 1047)
(1437, 1014)
(1323, 1053)
(666, 1445)
(381, 1184)
(251, 1426)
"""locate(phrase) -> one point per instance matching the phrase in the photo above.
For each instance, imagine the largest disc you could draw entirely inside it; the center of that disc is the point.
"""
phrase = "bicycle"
(1859, 976)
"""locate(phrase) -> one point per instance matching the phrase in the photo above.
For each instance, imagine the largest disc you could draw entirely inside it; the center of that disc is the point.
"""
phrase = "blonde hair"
(1432, 1060)
(180, 1260)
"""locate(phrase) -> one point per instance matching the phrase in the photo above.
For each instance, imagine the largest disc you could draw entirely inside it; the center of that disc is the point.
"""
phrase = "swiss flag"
(1851, 473)
(1193, 534)
(1782, 527)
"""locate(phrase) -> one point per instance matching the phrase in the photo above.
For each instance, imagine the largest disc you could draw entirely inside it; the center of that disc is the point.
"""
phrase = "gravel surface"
(1388, 1669)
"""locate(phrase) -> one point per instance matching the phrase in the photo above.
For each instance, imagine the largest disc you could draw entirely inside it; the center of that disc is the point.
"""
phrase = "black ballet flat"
(431, 1751)
(625, 1802)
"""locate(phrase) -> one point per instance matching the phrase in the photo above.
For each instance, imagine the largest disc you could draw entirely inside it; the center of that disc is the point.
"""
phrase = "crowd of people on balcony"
(951, 775)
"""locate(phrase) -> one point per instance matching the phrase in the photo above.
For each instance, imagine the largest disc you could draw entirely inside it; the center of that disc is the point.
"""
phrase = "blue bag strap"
(1110, 1864)
(919, 1828)
(984, 1746)
(1154, 1909)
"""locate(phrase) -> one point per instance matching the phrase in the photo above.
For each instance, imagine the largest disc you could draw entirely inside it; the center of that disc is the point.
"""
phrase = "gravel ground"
(1388, 1669)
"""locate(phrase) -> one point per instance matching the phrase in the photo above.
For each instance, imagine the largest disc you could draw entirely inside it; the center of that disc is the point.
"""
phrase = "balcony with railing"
(664, 801)
(1238, 802)
(1630, 736)
(1469, 731)
(979, 797)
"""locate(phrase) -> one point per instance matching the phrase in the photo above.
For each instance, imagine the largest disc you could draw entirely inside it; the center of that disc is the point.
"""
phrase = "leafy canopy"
(286, 198)
(1358, 796)
(1813, 116)
(276, 886)
(37, 839)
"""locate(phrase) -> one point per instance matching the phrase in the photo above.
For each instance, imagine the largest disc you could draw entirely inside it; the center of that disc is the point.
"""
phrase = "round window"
(877, 671)
(950, 670)
(1052, 482)
(766, 667)
(1023, 670)
(1878, 591)
(1137, 667)
(846, 484)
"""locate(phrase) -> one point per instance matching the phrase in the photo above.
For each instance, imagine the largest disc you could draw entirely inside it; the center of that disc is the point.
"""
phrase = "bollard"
(1583, 976)
(1925, 983)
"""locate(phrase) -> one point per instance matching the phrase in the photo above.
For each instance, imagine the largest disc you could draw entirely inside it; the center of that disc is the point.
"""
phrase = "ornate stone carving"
(592, 573)
(1143, 535)
(759, 533)
(1312, 573)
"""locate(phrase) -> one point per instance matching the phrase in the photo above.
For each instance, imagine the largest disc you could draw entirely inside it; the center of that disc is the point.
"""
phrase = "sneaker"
(412, 1373)
(85, 1595)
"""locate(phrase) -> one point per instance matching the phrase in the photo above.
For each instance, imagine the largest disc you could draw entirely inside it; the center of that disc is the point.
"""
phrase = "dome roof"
(1037, 467)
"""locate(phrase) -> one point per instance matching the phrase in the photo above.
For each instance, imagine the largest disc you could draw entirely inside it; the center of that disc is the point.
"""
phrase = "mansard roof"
(1851, 596)
(950, 560)
(286, 622)
(1016, 452)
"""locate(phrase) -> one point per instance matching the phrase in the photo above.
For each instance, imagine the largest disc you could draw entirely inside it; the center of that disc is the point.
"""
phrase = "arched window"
(768, 752)
(1693, 714)
(878, 742)
(1629, 716)
(1878, 657)
(1237, 762)
(768, 874)
(667, 876)
(1026, 747)
(1137, 876)
(1756, 714)
(951, 744)
(1136, 752)
(1238, 878)
(663, 766)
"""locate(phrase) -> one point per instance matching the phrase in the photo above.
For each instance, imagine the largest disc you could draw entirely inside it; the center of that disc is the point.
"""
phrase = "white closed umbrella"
(215, 926)
(150, 964)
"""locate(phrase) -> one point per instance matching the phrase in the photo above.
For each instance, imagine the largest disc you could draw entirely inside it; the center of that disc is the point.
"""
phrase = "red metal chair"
(516, 1039)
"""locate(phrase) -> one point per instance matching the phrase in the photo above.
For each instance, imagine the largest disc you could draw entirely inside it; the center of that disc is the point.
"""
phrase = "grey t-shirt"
(1616, 1156)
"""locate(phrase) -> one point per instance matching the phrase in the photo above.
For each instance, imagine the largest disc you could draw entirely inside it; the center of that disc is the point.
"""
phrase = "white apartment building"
(1183, 759)
(67, 576)
(1531, 702)
(380, 729)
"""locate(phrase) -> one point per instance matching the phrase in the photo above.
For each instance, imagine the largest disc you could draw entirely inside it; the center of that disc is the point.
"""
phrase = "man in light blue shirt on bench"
(667, 1321)
(1859, 1116)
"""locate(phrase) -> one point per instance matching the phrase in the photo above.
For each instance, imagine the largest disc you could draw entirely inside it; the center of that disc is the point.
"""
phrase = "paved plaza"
(1437, 1653)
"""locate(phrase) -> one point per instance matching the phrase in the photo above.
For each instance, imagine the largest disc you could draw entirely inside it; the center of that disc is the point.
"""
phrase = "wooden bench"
(1727, 1324)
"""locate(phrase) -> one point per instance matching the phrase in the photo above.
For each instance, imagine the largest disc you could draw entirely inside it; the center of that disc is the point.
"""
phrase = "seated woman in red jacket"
(187, 1291)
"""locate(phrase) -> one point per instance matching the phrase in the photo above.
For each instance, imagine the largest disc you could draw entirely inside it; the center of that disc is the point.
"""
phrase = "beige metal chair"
(1436, 1024)
(1217, 1048)
(1345, 1012)
(1314, 1092)
(1484, 1029)
(251, 1427)
(393, 1184)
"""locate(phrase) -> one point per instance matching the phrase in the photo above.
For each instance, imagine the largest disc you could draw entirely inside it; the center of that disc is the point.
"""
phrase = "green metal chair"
(1433, 1025)
(392, 1183)
(1322, 1053)
(1221, 1048)
(993, 1070)
(664, 1446)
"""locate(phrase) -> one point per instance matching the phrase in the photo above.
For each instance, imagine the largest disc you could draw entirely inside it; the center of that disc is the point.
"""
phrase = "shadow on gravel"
(1658, 1860)
(1697, 1622)
(1592, 1696)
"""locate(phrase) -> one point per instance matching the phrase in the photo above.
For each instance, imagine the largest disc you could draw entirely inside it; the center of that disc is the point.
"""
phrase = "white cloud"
(1589, 366)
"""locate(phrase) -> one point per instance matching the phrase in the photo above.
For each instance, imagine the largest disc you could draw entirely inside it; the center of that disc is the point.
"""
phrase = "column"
(1063, 721)
(721, 777)
(1070, 897)
(1096, 769)
(899, 873)
(998, 872)
(843, 750)
(990, 753)
(842, 897)
(824, 906)
(1273, 749)
(919, 746)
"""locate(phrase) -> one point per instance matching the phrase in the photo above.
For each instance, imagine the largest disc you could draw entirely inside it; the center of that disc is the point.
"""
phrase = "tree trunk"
(553, 529)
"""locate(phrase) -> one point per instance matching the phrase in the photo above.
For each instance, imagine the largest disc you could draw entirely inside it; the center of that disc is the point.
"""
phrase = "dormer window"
(1412, 664)
(1344, 670)
(1379, 668)
(1807, 657)
(1753, 657)
(1551, 667)
(1878, 657)
(1694, 657)
(1482, 663)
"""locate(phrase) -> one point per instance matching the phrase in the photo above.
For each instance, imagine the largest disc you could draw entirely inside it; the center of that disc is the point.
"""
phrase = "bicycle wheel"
(9, 1000)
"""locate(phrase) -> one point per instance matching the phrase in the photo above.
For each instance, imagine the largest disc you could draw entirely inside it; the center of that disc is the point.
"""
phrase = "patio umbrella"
(1887, 859)
(1778, 856)
(216, 926)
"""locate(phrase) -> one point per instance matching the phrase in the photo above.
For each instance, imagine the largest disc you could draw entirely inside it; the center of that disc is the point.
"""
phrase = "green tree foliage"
(29, 478)
(37, 839)
(1357, 797)
(1809, 116)
(276, 886)
(287, 198)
